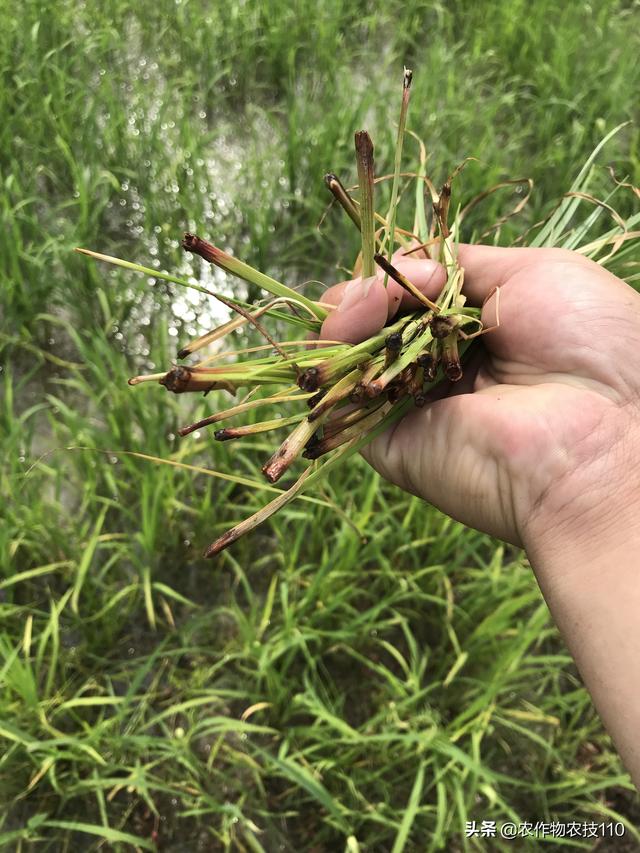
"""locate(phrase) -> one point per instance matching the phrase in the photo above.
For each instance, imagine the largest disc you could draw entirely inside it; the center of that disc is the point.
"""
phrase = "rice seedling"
(346, 394)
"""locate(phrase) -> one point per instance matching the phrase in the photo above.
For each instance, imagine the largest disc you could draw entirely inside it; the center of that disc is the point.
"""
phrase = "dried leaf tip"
(206, 250)
(363, 142)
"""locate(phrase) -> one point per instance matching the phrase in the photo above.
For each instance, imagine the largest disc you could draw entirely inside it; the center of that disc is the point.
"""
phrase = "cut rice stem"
(390, 233)
(209, 252)
(364, 160)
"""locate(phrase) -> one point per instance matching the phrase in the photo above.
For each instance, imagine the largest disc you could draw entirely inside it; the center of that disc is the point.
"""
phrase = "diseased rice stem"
(210, 253)
(390, 233)
(364, 160)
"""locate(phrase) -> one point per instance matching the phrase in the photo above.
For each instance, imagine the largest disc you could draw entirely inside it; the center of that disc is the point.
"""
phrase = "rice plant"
(337, 396)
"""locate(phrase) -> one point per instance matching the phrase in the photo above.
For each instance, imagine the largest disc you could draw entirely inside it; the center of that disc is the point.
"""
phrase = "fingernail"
(355, 292)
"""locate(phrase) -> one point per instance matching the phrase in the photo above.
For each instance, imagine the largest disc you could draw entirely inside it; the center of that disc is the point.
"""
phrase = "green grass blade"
(410, 812)
(554, 228)
(106, 832)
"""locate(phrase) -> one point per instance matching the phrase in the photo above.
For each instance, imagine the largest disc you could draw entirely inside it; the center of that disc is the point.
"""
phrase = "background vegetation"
(370, 679)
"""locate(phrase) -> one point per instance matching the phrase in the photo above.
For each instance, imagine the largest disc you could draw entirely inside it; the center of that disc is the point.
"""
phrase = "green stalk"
(311, 325)
(329, 368)
(250, 523)
(420, 342)
(240, 409)
(210, 253)
(340, 391)
(391, 216)
(420, 226)
(229, 433)
(349, 432)
(364, 160)
(129, 265)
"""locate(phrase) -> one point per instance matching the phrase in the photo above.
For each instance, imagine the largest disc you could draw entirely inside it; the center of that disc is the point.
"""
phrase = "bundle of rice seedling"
(341, 395)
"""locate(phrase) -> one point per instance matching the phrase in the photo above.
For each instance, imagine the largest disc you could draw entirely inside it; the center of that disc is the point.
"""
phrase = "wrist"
(588, 522)
(589, 504)
(584, 553)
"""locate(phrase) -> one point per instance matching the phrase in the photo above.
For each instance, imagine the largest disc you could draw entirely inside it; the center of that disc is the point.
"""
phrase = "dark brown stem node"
(224, 435)
(441, 326)
(309, 379)
(428, 363)
(451, 358)
(393, 345)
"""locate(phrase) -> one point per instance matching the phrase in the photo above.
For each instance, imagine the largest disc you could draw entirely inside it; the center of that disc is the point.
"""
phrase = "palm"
(541, 403)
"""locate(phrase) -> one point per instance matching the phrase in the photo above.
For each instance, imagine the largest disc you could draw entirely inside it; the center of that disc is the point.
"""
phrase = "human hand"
(546, 416)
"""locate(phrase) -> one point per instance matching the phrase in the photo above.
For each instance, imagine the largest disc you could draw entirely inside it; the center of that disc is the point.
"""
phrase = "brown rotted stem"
(442, 325)
(195, 244)
(451, 358)
(404, 282)
(309, 379)
(441, 208)
(181, 379)
(360, 392)
(343, 198)
(364, 161)
(319, 447)
(336, 425)
(290, 448)
(340, 391)
(427, 361)
(312, 402)
(393, 345)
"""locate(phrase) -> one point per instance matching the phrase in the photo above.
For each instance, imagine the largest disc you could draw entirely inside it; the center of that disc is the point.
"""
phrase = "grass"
(362, 680)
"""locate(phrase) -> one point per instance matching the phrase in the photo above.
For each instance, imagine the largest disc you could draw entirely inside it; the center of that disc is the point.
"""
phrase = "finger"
(362, 311)
(333, 295)
(427, 276)
(364, 306)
